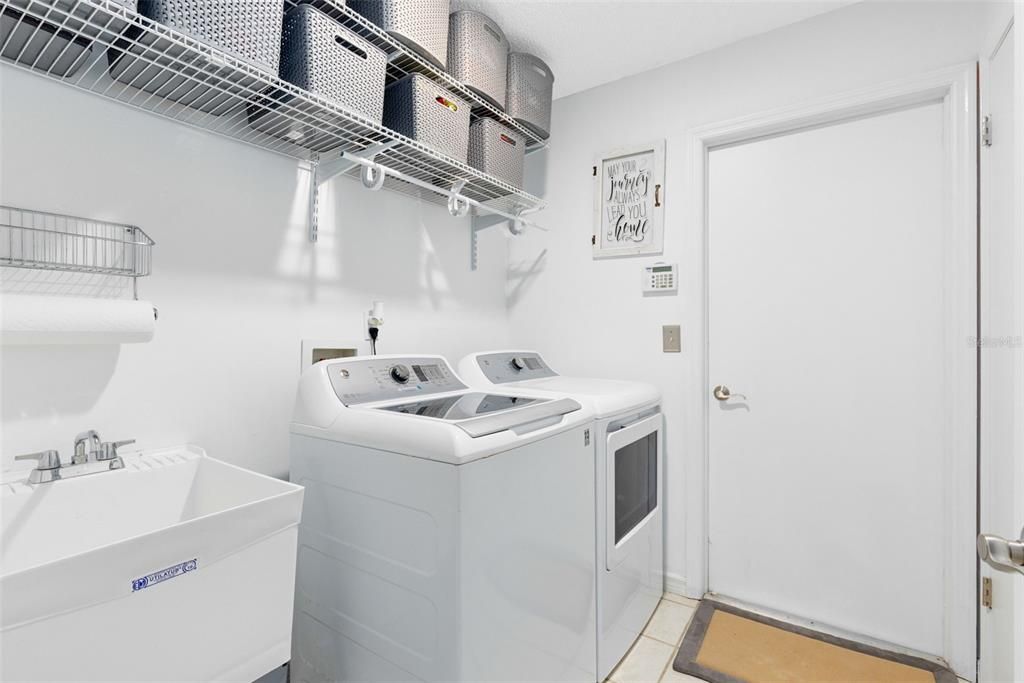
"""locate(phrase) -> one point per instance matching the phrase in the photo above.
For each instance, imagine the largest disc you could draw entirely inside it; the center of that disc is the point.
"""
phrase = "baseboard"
(674, 583)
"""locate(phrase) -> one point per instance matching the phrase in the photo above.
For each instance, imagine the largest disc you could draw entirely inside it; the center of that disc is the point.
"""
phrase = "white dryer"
(446, 533)
(628, 449)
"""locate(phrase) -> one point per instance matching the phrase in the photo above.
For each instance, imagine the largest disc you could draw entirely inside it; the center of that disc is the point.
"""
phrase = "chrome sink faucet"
(82, 452)
(91, 455)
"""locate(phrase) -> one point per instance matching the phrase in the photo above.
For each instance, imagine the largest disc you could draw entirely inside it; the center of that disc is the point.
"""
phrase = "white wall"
(588, 316)
(235, 280)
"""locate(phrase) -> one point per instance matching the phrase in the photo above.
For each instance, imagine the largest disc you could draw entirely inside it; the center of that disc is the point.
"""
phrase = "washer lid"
(479, 414)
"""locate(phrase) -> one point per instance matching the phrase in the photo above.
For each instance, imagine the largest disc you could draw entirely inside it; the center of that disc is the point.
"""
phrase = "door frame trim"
(995, 41)
(955, 87)
(1018, 166)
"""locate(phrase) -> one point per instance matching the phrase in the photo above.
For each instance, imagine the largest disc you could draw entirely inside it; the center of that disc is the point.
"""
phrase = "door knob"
(1001, 554)
(722, 393)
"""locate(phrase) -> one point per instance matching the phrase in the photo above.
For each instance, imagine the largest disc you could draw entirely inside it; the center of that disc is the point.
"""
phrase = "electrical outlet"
(670, 339)
(373, 318)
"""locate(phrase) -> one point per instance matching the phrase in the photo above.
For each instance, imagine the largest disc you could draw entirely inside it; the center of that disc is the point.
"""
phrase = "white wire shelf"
(50, 241)
(183, 79)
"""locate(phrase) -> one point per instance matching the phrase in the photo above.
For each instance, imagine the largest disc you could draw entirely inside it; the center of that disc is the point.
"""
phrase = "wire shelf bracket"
(322, 171)
(515, 226)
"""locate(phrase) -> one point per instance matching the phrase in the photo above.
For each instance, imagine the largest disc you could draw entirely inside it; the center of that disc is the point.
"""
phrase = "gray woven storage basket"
(528, 98)
(497, 150)
(478, 54)
(249, 30)
(320, 55)
(420, 109)
(52, 48)
(156, 65)
(323, 57)
(422, 25)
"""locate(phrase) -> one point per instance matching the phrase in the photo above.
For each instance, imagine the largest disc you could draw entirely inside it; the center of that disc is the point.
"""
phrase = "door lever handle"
(722, 393)
(1001, 554)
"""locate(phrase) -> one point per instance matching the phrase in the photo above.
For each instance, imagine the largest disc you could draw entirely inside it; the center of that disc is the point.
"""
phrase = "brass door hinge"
(986, 592)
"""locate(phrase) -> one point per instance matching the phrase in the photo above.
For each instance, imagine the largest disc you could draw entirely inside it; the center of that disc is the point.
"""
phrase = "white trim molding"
(674, 583)
(955, 87)
(996, 441)
(1018, 450)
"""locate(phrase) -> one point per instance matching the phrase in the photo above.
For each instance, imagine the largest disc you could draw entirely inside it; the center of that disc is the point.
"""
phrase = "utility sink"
(178, 567)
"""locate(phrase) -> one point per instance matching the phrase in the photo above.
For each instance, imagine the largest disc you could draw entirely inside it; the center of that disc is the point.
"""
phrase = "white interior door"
(1001, 352)
(833, 268)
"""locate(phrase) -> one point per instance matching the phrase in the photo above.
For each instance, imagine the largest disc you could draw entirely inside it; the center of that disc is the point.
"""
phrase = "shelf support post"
(479, 223)
(314, 192)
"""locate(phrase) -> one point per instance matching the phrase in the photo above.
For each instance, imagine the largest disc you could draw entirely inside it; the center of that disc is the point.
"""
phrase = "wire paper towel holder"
(51, 241)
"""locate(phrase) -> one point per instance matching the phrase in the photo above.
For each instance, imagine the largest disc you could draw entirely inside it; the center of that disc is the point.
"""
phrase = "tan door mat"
(725, 644)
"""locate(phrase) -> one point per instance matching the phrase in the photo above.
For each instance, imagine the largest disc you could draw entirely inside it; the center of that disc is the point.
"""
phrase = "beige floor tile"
(681, 599)
(645, 663)
(673, 676)
(669, 622)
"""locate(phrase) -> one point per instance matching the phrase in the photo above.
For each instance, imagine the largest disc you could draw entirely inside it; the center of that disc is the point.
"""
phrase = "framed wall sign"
(629, 201)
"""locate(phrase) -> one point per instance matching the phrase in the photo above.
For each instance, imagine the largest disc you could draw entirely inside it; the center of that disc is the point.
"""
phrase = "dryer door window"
(636, 483)
(633, 461)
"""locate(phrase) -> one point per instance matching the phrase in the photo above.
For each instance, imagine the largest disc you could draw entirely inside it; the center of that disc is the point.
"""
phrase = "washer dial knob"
(518, 364)
(400, 374)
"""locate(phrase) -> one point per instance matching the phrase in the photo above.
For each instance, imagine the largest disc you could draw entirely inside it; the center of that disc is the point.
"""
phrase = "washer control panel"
(513, 366)
(365, 380)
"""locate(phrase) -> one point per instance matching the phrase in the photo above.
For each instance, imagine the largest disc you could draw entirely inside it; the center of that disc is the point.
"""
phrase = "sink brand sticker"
(163, 575)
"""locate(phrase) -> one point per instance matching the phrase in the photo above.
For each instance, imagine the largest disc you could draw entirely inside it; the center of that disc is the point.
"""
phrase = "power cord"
(374, 331)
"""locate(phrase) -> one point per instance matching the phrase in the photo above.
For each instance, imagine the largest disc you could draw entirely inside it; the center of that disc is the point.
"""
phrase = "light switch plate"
(670, 339)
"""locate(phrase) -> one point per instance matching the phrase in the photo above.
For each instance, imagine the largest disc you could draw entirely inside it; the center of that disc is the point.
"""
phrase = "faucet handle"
(108, 449)
(46, 460)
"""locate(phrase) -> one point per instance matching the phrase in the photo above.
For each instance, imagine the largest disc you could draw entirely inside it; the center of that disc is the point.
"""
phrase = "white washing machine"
(447, 534)
(628, 446)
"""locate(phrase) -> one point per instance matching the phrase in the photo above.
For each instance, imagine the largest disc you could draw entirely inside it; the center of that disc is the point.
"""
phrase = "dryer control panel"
(513, 366)
(365, 380)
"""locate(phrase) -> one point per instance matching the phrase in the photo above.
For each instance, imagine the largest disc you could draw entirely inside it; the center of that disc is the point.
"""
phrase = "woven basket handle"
(494, 33)
(350, 46)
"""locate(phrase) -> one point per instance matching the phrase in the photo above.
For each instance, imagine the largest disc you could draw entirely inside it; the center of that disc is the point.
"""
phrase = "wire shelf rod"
(456, 193)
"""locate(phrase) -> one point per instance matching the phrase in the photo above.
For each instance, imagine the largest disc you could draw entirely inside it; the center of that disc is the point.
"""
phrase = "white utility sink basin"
(178, 567)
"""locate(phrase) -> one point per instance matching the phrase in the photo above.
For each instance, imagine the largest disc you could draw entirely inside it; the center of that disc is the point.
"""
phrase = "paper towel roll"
(26, 319)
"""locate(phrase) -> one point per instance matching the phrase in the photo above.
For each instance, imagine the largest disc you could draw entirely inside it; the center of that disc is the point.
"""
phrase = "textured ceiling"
(587, 43)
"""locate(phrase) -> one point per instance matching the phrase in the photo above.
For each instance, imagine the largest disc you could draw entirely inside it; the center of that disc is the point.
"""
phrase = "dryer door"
(634, 455)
